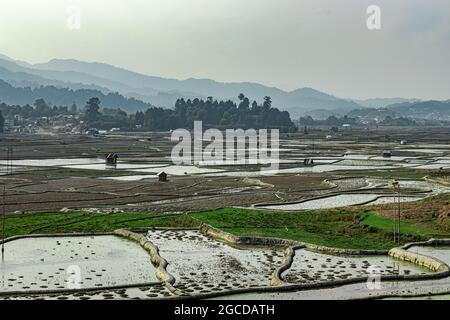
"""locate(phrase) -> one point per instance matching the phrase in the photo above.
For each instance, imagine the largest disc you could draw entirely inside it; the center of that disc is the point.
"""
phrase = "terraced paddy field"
(204, 265)
(368, 227)
(442, 252)
(52, 172)
(312, 267)
(156, 291)
(46, 263)
(433, 289)
(61, 184)
(342, 200)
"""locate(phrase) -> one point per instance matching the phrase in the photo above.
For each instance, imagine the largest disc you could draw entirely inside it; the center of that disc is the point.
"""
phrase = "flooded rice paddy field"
(203, 265)
(55, 172)
(403, 289)
(387, 289)
(54, 162)
(352, 291)
(413, 190)
(311, 267)
(46, 263)
(200, 265)
(29, 192)
(59, 171)
(156, 291)
(441, 253)
(342, 200)
(37, 193)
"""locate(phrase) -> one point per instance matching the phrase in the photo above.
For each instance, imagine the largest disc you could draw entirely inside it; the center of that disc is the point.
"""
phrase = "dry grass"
(434, 210)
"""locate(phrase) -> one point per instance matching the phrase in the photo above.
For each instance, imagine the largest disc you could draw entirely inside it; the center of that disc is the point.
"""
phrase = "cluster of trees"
(330, 121)
(218, 114)
(66, 97)
(2, 123)
(398, 122)
(40, 108)
(335, 121)
(213, 113)
(107, 118)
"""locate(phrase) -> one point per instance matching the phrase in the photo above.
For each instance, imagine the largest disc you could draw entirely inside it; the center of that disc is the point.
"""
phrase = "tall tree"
(74, 108)
(267, 102)
(92, 112)
(139, 118)
(2, 123)
(42, 108)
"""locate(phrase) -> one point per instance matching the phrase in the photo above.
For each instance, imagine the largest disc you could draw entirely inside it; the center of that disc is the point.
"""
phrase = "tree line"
(40, 108)
(339, 121)
(213, 113)
(66, 97)
(330, 121)
(217, 114)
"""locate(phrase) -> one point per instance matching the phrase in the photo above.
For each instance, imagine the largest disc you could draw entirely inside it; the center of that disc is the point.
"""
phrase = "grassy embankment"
(344, 228)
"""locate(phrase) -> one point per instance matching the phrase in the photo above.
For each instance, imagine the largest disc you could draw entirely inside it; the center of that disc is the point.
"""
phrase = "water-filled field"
(204, 265)
(441, 253)
(54, 162)
(47, 263)
(312, 267)
(341, 200)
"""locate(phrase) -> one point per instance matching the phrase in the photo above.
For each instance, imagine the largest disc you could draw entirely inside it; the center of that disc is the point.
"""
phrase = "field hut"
(387, 153)
(111, 159)
(308, 162)
(162, 176)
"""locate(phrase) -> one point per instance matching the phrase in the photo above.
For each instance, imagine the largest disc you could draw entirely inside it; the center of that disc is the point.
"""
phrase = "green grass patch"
(333, 228)
(407, 227)
(79, 221)
(342, 228)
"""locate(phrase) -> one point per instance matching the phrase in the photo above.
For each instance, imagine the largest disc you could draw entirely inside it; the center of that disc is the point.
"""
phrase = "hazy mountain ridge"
(137, 91)
(383, 102)
(66, 97)
(373, 114)
(168, 90)
(64, 78)
(23, 79)
(432, 109)
(425, 110)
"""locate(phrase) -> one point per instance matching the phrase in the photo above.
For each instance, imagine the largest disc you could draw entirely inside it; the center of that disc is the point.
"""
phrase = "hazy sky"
(323, 44)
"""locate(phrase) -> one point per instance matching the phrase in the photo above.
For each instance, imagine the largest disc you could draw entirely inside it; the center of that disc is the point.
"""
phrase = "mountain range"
(132, 91)
(158, 91)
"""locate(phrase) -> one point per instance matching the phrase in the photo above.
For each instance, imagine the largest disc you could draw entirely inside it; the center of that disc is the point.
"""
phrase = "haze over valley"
(64, 82)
